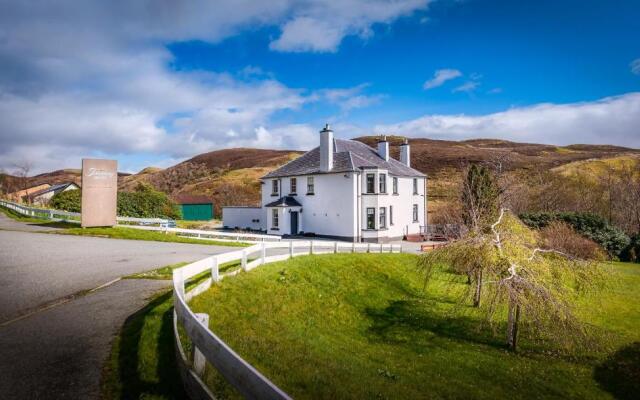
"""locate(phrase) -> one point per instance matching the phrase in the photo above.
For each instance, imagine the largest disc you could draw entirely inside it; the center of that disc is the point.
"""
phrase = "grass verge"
(361, 326)
(166, 272)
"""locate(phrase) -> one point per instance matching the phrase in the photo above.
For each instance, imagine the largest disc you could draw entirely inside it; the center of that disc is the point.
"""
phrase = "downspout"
(359, 207)
(425, 204)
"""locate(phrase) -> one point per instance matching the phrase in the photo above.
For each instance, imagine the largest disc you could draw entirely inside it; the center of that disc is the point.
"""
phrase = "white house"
(42, 197)
(342, 189)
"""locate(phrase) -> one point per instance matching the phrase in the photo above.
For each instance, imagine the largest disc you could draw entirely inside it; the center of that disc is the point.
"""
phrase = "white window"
(415, 213)
(383, 183)
(310, 185)
(274, 187)
(395, 185)
(415, 185)
(293, 186)
(274, 219)
(390, 215)
(383, 218)
(371, 218)
(371, 183)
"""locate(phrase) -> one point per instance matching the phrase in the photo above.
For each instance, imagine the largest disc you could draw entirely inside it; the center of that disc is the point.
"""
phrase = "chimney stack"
(326, 149)
(405, 153)
(383, 148)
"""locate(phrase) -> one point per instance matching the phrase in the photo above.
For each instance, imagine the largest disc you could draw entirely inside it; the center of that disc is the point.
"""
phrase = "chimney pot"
(383, 148)
(326, 149)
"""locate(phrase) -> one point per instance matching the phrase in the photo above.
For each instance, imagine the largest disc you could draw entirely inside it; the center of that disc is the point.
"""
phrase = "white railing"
(214, 235)
(209, 347)
(45, 213)
(142, 223)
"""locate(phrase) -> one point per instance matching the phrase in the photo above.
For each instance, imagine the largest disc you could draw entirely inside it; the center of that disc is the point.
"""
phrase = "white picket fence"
(153, 224)
(208, 347)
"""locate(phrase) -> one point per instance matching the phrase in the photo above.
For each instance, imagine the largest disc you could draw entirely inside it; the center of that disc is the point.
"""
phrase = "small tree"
(480, 195)
(536, 283)
(22, 172)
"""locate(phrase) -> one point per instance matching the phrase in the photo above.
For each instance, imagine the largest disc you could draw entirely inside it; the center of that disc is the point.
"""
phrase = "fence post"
(199, 361)
(263, 252)
(353, 247)
(244, 260)
(380, 248)
(215, 271)
(291, 249)
(335, 247)
(368, 247)
(50, 214)
(311, 247)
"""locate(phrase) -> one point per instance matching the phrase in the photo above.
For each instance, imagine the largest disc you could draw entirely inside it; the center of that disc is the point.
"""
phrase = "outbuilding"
(195, 208)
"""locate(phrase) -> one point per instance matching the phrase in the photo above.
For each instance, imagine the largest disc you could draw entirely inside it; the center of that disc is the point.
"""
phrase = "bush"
(144, 202)
(594, 227)
(66, 201)
(631, 253)
(561, 236)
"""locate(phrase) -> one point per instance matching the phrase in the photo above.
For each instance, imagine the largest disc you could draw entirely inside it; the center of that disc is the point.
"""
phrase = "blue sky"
(155, 84)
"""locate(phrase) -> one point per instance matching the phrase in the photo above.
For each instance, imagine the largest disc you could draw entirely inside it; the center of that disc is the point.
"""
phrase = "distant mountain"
(230, 176)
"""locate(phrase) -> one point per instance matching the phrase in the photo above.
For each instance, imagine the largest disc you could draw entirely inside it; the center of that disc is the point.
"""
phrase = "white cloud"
(321, 25)
(467, 87)
(350, 98)
(611, 120)
(635, 66)
(440, 77)
(92, 77)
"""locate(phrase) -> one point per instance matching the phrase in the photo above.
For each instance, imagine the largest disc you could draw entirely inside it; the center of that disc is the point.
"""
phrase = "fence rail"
(142, 223)
(207, 346)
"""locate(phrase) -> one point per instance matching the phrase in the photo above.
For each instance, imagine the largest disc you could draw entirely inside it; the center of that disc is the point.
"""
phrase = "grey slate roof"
(286, 201)
(348, 156)
(54, 188)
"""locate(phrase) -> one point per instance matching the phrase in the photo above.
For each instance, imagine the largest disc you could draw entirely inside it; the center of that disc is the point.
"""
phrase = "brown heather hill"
(228, 177)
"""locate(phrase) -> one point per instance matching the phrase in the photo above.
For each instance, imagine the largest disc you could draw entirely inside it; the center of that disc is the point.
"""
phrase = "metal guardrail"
(209, 347)
(45, 213)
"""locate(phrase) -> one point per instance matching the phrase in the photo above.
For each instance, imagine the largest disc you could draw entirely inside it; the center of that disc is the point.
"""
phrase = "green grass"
(142, 363)
(39, 221)
(361, 326)
(139, 234)
(166, 272)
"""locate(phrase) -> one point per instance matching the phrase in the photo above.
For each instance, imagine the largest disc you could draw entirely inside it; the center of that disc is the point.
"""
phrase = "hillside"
(229, 177)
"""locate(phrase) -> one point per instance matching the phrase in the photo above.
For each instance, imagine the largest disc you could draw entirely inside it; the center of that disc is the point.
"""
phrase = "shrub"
(631, 253)
(594, 227)
(66, 201)
(561, 236)
(144, 202)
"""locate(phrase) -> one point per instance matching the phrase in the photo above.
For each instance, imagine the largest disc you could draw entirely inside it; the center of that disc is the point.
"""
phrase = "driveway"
(53, 344)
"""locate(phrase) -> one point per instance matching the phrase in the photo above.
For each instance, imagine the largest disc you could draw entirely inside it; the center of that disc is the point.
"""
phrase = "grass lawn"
(139, 234)
(362, 326)
(31, 220)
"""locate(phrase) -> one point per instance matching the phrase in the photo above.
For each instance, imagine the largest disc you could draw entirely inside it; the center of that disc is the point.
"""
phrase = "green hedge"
(589, 225)
(144, 202)
(631, 253)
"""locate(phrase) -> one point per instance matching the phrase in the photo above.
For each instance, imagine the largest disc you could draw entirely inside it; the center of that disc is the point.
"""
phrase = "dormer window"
(382, 183)
(274, 187)
(371, 183)
(293, 186)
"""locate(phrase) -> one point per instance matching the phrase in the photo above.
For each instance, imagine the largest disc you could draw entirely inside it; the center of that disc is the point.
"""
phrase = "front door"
(294, 222)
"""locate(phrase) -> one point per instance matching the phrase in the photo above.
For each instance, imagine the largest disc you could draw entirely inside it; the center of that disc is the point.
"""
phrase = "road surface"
(53, 344)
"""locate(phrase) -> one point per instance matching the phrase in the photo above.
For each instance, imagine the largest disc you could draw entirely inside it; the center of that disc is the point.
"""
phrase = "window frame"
(275, 189)
(293, 185)
(371, 217)
(395, 185)
(275, 219)
(311, 185)
(416, 213)
(382, 183)
(370, 189)
(390, 215)
(382, 218)
(415, 186)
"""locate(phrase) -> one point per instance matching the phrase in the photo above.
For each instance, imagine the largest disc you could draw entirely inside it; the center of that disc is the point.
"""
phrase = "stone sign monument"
(99, 192)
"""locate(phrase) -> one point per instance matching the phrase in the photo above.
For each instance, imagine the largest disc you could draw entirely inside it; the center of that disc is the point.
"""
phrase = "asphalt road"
(58, 352)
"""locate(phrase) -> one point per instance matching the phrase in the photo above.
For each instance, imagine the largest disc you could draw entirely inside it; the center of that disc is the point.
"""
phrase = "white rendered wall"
(329, 211)
(243, 218)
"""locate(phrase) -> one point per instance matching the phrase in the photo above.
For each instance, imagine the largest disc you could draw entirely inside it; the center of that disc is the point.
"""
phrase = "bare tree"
(22, 170)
